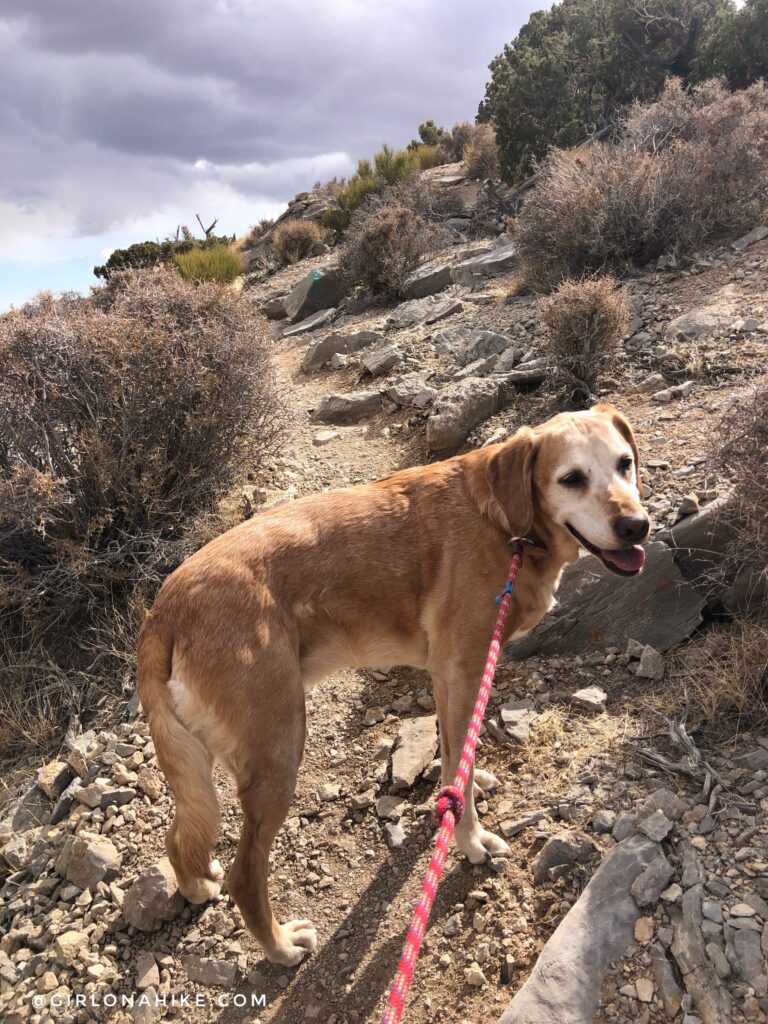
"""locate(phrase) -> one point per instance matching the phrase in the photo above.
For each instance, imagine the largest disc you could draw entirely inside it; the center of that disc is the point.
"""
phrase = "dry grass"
(721, 676)
(294, 239)
(564, 741)
(585, 321)
(480, 153)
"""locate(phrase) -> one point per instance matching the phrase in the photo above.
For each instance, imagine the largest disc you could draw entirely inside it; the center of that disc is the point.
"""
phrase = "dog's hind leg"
(266, 776)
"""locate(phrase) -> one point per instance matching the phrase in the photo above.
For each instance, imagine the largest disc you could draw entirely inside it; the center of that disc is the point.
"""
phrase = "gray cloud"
(114, 112)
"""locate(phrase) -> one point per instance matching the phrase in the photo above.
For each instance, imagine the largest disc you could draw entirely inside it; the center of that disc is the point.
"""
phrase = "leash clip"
(509, 587)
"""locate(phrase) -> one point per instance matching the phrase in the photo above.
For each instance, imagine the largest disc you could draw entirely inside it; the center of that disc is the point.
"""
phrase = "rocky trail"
(586, 761)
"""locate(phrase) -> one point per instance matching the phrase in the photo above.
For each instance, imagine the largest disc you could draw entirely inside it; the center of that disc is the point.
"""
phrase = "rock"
(17, 851)
(483, 345)
(755, 235)
(517, 717)
(710, 998)
(390, 807)
(750, 962)
(498, 261)
(670, 993)
(395, 835)
(644, 989)
(348, 408)
(625, 826)
(54, 777)
(381, 360)
(688, 506)
(321, 352)
(274, 308)
(416, 743)
(564, 985)
(701, 323)
(591, 698)
(318, 290)
(427, 280)
(149, 782)
(31, 810)
(329, 791)
(147, 971)
(603, 820)
(664, 800)
(644, 929)
(460, 407)
(412, 389)
(651, 665)
(93, 859)
(559, 851)
(677, 391)
(474, 975)
(597, 609)
(648, 885)
(719, 960)
(153, 898)
(422, 311)
(511, 828)
(203, 971)
(68, 946)
(312, 323)
(323, 437)
(655, 382)
(91, 794)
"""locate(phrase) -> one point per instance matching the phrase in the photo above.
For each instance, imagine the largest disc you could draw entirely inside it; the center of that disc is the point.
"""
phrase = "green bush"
(152, 254)
(220, 263)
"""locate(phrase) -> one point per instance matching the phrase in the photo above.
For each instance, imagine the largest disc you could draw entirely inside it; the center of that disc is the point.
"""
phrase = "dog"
(401, 571)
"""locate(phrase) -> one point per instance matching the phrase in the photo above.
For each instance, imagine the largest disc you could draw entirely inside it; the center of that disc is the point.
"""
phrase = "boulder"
(428, 310)
(274, 308)
(755, 235)
(427, 280)
(412, 389)
(565, 983)
(311, 323)
(321, 352)
(700, 323)
(597, 609)
(153, 898)
(416, 743)
(319, 289)
(348, 408)
(498, 261)
(460, 407)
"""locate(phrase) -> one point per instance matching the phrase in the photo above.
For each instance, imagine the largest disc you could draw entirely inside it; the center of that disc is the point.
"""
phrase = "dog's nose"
(632, 529)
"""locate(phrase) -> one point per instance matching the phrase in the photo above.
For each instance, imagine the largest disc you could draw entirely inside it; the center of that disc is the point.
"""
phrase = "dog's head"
(578, 475)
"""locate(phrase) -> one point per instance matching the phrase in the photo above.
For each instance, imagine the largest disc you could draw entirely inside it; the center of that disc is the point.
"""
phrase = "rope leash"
(448, 810)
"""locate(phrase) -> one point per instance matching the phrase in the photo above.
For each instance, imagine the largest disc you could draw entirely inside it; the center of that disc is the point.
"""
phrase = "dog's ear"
(621, 423)
(510, 476)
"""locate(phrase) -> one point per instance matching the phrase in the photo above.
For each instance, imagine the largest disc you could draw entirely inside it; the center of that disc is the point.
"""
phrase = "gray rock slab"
(564, 985)
(497, 261)
(348, 408)
(460, 407)
(596, 608)
(311, 323)
(319, 289)
(321, 352)
(755, 235)
(416, 743)
(428, 310)
(427, 280)
(711, 1001)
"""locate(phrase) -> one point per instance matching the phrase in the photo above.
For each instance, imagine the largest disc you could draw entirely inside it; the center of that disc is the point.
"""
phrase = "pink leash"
(449, 808)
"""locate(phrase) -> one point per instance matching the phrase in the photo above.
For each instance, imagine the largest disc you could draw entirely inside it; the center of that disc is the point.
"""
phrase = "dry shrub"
(743, 452)
(722, 674)
(585, 321)
(125, 418)
(257, 232)
(294, 239)
(385, 242)
(690, 168)
(480, 154)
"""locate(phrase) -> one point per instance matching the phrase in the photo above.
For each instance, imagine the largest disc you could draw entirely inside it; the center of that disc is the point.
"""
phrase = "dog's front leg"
(455, 699)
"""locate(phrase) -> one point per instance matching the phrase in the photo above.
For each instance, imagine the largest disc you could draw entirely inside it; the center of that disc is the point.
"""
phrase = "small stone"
(54, 777)
(689, 505)
(625, 826)
(93, 859)
(742, 910)
(147, 971)
(643, 929)
(149, 782)
(591, 698)
(68, 946)
(209, 972)
(603, 820)
(329, 791)
(154, 897)
(416, 743)
(452, 926)
(373, 716)
(390, 807)
(395, 835)
(474, 976)
(323, 437)
(648, 885)
(672, 894)
(651, 663)
(644, 988)
(656, 826)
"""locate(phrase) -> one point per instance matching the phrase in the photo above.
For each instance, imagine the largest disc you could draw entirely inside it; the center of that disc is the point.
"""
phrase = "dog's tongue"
(629, 559)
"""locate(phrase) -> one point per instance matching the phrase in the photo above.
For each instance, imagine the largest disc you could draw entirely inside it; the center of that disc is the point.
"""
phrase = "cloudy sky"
(120, 120)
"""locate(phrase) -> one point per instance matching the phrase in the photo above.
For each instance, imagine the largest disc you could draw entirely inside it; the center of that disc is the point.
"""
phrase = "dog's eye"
(625, 464)
(573, 479)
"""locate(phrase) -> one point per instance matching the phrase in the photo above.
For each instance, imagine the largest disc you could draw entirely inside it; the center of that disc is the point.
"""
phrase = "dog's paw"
(485, 782)
(296, 939)
(481, 846)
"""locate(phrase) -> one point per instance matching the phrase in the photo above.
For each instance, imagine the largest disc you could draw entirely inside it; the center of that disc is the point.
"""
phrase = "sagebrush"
(385, 242)
(585, 321)
(480, 154)
(294, 239)
(688, 169)
(124, 420)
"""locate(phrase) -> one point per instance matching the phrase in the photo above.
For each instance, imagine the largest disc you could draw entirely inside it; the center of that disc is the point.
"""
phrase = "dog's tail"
(186, 762)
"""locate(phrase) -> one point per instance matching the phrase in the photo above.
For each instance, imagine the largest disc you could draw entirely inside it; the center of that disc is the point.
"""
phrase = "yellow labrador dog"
(402, 571)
